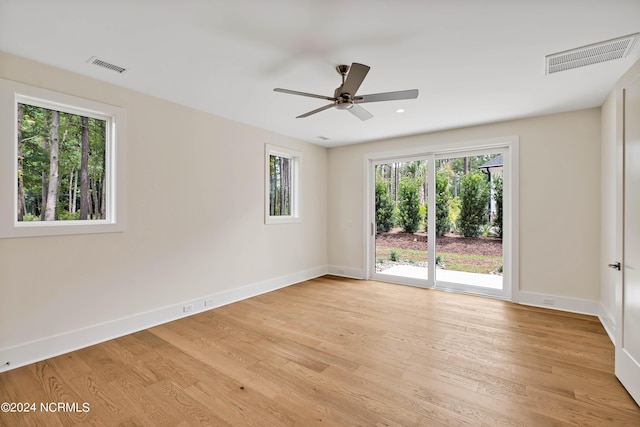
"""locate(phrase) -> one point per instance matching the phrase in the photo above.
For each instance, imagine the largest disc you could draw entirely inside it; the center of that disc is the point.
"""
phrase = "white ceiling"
(473, 61)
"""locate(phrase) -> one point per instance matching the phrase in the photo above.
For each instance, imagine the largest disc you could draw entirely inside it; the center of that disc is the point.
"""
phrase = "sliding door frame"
(502, 293)
(508, 145)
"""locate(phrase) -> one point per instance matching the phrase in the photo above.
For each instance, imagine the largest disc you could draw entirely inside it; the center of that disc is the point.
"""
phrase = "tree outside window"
(62, 173)
(281, 185)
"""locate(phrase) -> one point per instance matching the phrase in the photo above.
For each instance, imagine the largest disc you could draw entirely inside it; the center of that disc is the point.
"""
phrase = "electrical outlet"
(548, 301)
(208, 302)
(187, 308)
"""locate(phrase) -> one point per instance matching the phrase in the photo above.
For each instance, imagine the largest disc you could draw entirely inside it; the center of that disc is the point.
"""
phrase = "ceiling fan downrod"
(343, 70)
(343, 100)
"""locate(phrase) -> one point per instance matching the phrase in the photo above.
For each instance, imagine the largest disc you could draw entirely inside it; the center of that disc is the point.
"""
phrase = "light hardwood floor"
(340, 352)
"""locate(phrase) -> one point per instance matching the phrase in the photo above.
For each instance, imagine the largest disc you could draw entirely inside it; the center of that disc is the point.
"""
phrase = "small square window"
(281, 185)
(59, 163)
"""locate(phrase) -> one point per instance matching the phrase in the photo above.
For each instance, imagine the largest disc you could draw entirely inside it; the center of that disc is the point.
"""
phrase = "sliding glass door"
(438, 220)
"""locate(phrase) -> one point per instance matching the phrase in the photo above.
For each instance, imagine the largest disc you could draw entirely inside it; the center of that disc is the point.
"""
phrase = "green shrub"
(498, 185)
(65, 215)
(454, 213)
(384, 207)
(443, 224)
(393, 256)
(475, 196)
(424, 217)
(409, 205)
(30, 217)
(486, 230)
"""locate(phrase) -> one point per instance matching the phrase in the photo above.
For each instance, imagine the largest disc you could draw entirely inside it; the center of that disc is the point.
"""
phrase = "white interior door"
(628, 319)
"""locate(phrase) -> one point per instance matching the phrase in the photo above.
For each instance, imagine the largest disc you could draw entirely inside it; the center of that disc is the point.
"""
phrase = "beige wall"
(195, 213)
(559, 198)
(195, 186)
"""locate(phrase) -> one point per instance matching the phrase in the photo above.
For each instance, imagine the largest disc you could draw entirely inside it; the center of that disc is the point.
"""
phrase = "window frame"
(295, 158)
(11, 94)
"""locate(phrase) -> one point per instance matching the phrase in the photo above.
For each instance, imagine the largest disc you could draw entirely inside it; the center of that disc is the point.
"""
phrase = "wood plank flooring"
(339, 352)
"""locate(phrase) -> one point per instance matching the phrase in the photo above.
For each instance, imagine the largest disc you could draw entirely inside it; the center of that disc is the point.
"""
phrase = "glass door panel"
(401, 243)
(469, 222)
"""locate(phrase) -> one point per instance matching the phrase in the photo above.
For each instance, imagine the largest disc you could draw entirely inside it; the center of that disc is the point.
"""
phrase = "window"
(281, 185)
(63, 163)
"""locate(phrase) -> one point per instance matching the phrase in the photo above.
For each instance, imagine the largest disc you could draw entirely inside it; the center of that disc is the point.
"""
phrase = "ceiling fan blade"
(387, 96)
(311, 95)
(317, 110)
(360, 112)
(357, 73)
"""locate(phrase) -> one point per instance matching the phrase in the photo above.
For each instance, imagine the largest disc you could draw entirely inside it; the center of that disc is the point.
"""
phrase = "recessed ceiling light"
(324, 138)
(400, 110)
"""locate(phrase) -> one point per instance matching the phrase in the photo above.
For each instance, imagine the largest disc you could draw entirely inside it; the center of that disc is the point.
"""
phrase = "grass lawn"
(449, 261)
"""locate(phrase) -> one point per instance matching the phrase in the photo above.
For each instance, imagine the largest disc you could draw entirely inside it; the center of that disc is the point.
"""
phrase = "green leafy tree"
(53, 175)
(498, 185)
(460, 166)
(279, 186)
(59, 153)
(442, 202)
(454, 213)
(21, 206)
(475, 196)
(384, 207)
(409, 205)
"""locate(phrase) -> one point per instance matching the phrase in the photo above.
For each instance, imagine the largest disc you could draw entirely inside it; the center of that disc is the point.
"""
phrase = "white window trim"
(296, 161)
(12, 93)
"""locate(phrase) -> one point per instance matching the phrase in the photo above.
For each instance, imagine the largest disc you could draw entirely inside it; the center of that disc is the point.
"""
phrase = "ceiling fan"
(345, 98)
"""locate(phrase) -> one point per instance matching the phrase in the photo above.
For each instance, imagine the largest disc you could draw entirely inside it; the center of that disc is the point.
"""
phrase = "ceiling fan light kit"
(345, 98)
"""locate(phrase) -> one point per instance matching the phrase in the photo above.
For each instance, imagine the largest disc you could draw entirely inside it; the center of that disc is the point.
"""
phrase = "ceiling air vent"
(104, 64)
(589, 55)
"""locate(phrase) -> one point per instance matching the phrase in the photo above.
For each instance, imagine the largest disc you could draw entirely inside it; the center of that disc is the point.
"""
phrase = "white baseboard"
(608, 322)
(351, 273)
(21, 355)
(555, 302)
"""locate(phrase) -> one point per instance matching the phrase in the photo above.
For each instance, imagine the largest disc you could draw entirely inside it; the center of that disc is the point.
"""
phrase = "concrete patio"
(492, 281)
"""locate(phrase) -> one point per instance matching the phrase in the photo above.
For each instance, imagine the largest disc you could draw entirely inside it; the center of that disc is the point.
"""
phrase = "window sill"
(270, 220)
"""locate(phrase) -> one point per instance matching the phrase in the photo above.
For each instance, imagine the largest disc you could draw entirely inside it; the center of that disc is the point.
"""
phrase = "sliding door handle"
(615, 266)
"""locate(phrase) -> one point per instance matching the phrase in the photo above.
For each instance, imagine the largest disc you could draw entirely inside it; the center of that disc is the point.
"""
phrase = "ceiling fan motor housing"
(343, 100)
(342, 104)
